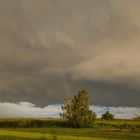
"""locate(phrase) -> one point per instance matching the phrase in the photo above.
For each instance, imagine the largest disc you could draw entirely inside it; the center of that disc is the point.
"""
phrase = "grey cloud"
(26, 109)
(50, 49)
(119, 112)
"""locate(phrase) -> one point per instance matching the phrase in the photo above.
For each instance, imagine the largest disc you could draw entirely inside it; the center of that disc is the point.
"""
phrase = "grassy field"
(43, 123)
(102, 130)
(68, 134)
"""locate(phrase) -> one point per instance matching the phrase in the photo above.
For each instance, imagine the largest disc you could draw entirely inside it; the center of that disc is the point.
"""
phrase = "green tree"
(107, 116)
(76, 110)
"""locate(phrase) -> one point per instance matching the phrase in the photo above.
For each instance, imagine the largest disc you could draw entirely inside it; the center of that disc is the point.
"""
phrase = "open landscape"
(69, 69)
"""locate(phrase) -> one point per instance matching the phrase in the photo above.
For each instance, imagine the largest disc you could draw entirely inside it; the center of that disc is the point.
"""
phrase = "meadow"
(56, 129)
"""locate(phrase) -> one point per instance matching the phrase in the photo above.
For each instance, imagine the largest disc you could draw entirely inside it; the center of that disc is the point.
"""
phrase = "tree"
(76, 110)
(107, 116)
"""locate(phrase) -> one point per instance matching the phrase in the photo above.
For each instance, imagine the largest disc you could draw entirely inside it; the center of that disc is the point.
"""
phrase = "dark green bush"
(31, 123)
(107, 116)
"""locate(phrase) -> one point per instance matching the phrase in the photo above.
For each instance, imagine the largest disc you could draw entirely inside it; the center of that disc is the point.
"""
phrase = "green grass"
(102, 130)
(14, 138)
(39, 123)
(69, 134)
(118, 124)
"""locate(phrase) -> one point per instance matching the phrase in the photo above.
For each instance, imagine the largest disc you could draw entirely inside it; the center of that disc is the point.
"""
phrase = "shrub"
(107, 116)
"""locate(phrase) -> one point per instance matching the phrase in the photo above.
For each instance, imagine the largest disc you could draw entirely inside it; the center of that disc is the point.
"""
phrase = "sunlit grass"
(52, 129)
(66, 134)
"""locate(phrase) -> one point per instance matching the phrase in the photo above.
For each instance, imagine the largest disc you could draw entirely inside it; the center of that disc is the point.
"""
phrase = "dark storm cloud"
(50, 49)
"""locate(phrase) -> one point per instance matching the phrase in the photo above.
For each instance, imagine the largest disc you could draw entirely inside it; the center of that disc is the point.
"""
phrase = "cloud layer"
(50, 49)
(26, 109)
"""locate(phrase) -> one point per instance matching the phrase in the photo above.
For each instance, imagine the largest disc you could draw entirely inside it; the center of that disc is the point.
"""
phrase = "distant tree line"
(61, 123)
(32, 123)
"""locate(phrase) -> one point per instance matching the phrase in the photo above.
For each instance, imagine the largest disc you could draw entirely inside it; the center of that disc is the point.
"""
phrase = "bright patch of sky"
(26, 109)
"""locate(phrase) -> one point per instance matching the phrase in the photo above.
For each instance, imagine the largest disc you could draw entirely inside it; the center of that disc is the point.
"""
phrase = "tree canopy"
(107, 116)
(76, 110)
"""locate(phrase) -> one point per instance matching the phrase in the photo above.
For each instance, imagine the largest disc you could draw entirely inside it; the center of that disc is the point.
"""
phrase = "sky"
(29, 110)
(51, 49)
